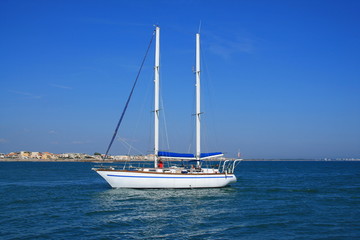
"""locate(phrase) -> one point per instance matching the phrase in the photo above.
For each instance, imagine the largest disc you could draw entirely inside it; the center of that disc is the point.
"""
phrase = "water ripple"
(270, 201)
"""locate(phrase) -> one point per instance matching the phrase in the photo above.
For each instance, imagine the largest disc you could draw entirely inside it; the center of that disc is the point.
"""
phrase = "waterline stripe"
(126, 176)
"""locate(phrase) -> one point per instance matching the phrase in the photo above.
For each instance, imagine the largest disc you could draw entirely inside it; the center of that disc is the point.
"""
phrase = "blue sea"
(271, 200)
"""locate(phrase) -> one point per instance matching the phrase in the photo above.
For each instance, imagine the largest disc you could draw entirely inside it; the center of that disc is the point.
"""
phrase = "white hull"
(137, 179)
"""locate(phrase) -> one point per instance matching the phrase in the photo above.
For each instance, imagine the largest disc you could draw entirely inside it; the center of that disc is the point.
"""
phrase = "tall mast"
(156, 107)
(198, 150)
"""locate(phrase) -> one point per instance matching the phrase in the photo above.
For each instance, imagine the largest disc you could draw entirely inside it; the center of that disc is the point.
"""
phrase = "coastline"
(67, 160)
(146, 160)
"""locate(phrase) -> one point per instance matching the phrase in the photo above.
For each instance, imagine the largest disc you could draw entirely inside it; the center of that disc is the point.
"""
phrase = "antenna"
(199, 26)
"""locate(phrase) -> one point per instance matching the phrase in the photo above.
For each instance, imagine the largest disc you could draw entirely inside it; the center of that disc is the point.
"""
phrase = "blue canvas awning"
(188, 155)
(210, 155)
(175, 155)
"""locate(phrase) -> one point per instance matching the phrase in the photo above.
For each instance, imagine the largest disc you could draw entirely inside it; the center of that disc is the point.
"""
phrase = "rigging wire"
(141, 113)
(125, 143)
(209, 122)
(128, 100)
(165, 124)
(166, 133)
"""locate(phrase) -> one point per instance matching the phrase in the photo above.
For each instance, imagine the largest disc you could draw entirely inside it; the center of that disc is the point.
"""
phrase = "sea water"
(271, 200)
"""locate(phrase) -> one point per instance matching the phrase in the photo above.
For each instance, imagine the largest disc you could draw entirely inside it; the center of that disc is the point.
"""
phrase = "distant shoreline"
(142, 160)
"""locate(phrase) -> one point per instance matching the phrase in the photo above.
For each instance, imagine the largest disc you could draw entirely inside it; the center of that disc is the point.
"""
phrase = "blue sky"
(281, 79)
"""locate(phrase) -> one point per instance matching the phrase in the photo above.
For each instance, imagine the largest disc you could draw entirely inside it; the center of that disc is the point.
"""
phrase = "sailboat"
(158, 176)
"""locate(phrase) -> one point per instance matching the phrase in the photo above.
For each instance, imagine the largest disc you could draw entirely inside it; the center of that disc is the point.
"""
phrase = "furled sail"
(211, 155)
(175, 155)
(188, 155)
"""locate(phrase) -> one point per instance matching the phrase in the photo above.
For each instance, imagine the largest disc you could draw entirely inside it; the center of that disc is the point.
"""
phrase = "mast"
(198, 146)
(156, 102)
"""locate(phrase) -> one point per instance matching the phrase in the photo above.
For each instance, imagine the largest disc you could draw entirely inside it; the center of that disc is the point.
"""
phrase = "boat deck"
(201, 171)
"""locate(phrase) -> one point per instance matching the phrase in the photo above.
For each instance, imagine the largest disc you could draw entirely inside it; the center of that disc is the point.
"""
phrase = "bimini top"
(188, 155)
